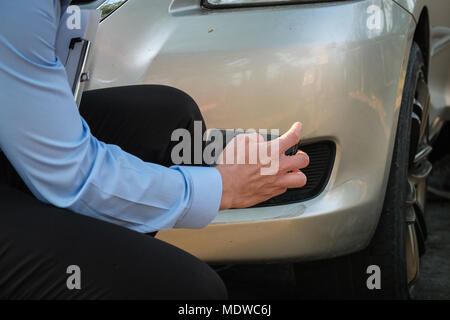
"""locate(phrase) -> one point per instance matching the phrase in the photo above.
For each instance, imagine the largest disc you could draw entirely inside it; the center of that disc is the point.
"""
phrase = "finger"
(260, 137)
(249, 137)
(290, 138)
(246, 147)
(256, 137)
(293, 180)
(293, 163)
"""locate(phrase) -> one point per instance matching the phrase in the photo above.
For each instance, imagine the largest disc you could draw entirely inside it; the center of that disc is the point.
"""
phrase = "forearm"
(53, 150)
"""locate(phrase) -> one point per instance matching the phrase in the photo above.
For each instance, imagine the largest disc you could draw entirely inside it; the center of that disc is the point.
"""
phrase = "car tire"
(349, 276)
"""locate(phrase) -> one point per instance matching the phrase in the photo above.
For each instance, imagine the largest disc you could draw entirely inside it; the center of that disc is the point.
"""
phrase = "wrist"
(227, 190)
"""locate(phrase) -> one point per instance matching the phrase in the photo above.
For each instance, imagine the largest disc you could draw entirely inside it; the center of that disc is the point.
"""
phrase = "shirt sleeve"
(51, 147)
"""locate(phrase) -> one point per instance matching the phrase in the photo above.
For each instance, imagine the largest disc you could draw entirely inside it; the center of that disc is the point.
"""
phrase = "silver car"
(369, 79)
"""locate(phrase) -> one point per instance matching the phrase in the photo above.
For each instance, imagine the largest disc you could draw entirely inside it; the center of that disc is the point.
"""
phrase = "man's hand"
(243, 184)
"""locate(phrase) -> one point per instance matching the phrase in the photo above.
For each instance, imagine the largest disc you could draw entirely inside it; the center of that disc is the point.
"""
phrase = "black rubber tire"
(345, 277)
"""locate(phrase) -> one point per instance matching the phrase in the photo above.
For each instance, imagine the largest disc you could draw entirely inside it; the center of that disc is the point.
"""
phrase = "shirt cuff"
(205, 194)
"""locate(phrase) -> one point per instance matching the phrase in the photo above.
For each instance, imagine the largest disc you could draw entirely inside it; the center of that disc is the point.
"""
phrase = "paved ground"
(434, 282)
(278, 282)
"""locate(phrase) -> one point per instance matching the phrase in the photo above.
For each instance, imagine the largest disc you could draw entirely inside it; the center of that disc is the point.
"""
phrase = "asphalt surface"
(277, 281)
(434, 281)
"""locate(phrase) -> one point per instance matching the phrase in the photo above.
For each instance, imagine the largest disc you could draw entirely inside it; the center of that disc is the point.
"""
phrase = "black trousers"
(39, 242)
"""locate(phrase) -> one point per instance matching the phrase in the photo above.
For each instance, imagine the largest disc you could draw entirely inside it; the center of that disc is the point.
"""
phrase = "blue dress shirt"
(51, 147)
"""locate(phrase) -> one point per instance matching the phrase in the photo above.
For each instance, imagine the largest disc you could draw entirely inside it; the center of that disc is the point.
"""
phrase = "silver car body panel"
(328, 65)
(439, 77)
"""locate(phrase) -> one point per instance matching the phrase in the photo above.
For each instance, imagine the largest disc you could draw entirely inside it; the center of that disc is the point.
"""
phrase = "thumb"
(291, 137)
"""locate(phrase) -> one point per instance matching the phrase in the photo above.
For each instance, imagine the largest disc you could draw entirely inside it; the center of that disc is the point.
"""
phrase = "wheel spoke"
(423, 153)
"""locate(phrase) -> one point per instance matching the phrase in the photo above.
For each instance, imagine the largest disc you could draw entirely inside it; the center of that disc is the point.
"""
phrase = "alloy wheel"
(418, 171)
